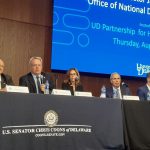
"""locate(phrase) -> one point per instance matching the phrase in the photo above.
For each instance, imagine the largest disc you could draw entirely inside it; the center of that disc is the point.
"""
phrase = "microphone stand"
(56, 80)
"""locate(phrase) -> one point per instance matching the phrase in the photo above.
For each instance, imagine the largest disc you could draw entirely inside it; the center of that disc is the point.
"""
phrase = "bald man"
(4, 79)
(116, 90)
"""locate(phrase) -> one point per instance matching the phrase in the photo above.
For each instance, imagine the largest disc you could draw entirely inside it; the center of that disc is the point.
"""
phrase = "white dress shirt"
(0, 81)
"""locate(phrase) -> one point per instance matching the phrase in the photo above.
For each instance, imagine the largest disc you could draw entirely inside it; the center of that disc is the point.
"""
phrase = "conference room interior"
(26, 31)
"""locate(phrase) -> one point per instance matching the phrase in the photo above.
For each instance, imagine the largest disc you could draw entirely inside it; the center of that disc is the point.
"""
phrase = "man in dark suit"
(116, 90)
(4, 79)
(142, 91)
(35, 80)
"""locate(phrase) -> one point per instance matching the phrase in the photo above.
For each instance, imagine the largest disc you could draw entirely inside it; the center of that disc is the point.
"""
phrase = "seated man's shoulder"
(7, 76)
(142, 87)
(46, 74)
(26, 76)
(109, 88)
(126, 87)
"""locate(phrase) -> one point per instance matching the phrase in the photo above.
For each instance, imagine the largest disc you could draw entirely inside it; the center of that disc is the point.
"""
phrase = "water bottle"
(46, 87)
(148, 96)
(103, 92)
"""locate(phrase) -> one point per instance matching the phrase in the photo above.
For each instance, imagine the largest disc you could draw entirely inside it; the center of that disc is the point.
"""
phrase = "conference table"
(52, 122)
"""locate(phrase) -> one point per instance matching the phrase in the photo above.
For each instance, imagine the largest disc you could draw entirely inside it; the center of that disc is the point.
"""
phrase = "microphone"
(42, 79)
(56, 80)
(77, 78)
(124, 84)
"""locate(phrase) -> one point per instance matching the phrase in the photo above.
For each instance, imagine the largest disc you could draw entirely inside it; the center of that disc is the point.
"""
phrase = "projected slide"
(102, 36)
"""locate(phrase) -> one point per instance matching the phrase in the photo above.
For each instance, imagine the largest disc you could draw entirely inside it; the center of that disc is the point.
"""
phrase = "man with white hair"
(117, 90)
(4, 78)
(35, 80)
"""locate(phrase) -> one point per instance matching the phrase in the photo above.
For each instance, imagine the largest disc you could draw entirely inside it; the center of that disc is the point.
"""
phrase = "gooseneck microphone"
(42, 79)
(124, 84)
(77, 78)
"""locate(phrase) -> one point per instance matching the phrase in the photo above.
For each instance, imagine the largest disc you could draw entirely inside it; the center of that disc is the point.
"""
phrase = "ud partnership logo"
(142, 69)
(51, 118)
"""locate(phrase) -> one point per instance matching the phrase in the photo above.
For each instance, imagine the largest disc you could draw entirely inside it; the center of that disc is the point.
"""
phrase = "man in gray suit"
(116, 90)
(143, 90)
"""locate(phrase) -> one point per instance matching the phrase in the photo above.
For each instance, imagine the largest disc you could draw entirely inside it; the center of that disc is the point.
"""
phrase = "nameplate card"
(60, 92)
(17, 89)
(126, 97)
(85, 94)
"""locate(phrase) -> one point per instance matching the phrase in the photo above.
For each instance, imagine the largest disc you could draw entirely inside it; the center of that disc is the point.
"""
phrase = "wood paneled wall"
(25, 31)
(24, 28)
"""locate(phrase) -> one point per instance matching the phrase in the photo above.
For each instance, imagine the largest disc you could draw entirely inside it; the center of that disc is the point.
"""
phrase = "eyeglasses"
(115, 78)
(72, 74)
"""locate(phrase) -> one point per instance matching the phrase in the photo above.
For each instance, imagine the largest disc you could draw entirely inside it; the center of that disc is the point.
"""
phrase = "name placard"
(126, 97)
(85, 94)
(17, 89)
(60, 92)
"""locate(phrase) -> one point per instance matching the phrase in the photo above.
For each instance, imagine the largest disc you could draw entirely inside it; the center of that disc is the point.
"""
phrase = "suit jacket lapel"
(111, 92)
(3, 80)
(32, 82)
(146, 89)
(123, 90)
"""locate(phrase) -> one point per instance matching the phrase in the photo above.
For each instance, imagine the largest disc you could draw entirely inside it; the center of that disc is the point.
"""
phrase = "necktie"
(117, 93)
(38, 84)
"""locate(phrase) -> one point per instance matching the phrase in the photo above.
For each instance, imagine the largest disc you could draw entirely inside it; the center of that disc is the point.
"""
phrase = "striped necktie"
(38, 84)
(118, 94)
